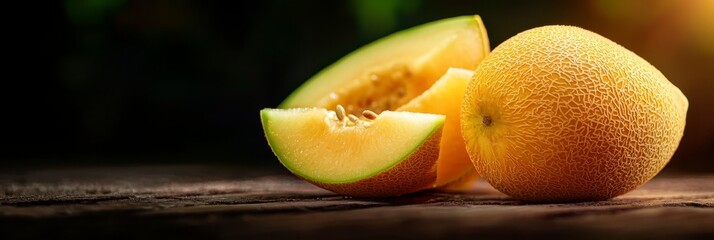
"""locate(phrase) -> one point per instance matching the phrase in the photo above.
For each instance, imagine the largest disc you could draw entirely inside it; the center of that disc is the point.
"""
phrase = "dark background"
(123, 82)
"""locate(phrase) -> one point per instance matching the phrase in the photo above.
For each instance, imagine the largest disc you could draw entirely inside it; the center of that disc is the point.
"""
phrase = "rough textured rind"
(417, 172)
(575, 117)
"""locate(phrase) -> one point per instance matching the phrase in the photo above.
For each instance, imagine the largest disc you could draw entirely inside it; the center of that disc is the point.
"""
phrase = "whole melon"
(562, 114)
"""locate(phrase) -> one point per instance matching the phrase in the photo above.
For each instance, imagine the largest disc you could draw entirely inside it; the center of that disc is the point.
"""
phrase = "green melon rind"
(265, 115)
(367, 52)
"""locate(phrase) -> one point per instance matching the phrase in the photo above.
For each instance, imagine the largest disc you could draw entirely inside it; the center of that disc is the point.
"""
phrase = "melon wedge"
(444, 97)
(392, 155)
(391, 71)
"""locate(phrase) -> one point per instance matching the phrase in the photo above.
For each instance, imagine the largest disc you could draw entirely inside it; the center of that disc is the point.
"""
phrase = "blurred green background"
(158, 81)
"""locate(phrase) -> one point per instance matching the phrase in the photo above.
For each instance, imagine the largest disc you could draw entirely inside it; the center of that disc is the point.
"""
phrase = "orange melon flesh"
(465, 183)
(444, 97)
(390, 72)
(392, 155)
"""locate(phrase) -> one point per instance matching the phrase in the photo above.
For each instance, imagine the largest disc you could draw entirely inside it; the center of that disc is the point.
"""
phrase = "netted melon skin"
(575, 117)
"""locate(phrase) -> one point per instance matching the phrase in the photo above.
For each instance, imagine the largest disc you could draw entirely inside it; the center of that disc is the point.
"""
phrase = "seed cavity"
(340, 112)
(369, 115)
(486, 120)
(381, 88)
(401, 91)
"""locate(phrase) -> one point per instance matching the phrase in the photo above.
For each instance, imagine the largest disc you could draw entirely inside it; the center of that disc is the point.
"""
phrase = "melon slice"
(392, 71)
(393, 154)
(444, 97)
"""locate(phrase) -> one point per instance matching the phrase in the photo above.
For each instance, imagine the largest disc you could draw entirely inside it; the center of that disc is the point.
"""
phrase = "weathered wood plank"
(221, 202)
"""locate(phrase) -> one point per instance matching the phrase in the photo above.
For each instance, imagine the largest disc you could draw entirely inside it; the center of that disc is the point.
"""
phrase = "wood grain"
(239, 203)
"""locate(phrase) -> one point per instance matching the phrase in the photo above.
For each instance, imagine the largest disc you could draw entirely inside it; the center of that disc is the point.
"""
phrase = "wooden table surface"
(208, 202)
